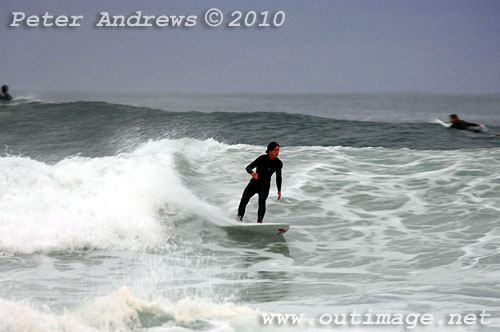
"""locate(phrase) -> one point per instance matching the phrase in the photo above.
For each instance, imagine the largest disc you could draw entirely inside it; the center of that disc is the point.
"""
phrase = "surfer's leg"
(245, 198)
(262, 204)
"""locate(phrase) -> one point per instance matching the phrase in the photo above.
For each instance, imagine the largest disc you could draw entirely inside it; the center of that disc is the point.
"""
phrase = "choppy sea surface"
(113, 207)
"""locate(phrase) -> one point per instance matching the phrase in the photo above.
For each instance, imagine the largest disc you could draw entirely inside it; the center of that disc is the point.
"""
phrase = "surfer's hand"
(255, 175)
(279, 195)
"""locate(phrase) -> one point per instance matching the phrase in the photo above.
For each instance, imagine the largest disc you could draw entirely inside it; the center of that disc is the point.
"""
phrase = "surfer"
(456, 123)
(4, 95)
(260, 182)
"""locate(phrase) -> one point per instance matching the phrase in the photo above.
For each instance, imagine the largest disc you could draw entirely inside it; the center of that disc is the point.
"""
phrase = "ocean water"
(112, 210)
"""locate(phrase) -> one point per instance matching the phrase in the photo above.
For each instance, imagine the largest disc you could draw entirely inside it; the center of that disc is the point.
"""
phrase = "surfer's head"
(453, 117)
(273, 149)
(5, 89)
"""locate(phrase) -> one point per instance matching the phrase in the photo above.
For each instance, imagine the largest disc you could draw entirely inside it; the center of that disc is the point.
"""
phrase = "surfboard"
(442, 123)
(264, 228)
(479, 129)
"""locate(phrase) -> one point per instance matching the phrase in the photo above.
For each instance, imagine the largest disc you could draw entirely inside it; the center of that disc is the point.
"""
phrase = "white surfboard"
(442, 123)
(264, 228)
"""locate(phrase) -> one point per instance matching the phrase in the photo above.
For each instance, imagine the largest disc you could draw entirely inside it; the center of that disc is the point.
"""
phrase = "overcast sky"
(323, 46)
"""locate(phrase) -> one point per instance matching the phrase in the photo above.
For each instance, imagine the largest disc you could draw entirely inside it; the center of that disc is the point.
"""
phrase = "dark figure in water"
(260, 182)
(5, 95)
(456, 123)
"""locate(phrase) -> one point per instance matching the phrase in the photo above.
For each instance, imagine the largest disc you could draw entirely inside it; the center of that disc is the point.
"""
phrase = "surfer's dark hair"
(453, 116)
(271, 146)
(5, 88)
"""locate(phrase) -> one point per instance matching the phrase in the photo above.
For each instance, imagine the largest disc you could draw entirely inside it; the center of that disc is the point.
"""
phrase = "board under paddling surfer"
(260, 183)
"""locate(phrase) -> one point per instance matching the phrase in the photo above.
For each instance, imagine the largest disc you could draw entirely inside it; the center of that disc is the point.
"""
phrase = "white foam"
(409, 226)
(110, 202)
(120, 311)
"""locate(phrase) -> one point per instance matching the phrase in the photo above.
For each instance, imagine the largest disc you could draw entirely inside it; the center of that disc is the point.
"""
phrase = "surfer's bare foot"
(259, 222)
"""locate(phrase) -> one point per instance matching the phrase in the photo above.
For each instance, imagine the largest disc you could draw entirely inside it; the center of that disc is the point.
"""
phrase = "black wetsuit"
(265, 169)
(5, 96)
(464, 125)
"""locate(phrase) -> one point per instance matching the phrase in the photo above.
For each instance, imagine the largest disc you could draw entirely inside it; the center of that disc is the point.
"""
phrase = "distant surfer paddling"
(456, 123)
(260, 183)
(4, 95)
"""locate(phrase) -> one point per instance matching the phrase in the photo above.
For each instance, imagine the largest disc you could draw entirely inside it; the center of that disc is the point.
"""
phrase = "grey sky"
(324, 46)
